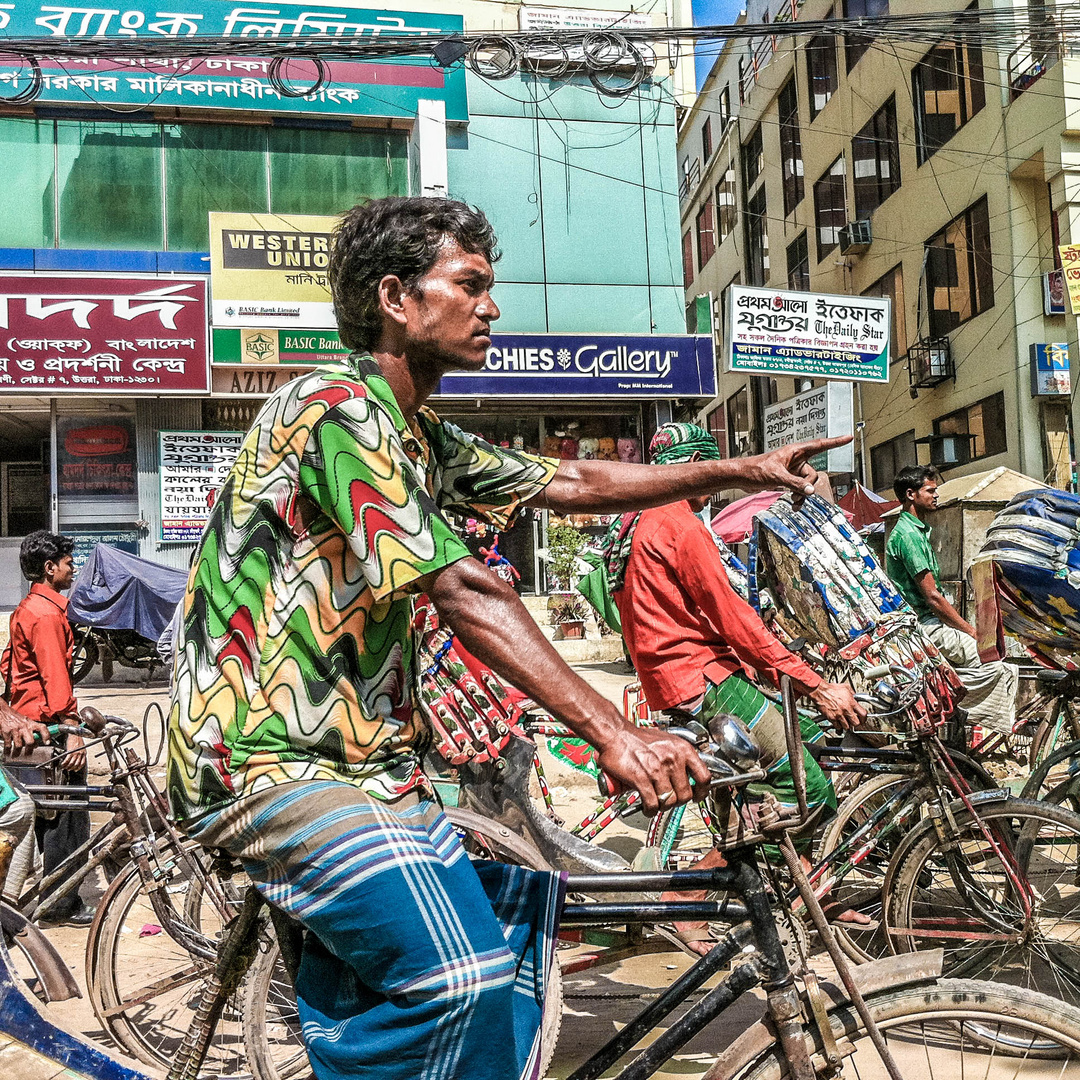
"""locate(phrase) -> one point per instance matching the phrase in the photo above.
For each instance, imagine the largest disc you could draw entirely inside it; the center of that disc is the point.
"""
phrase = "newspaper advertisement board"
(821, 413)
(192, 466)
(808, 335)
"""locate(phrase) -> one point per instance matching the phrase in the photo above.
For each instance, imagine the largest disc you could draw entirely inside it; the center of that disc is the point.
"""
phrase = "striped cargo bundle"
(814, 575)
(1031, 557)
(471, 712)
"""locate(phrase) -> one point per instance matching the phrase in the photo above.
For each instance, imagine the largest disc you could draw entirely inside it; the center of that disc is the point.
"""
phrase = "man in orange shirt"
(36, 667)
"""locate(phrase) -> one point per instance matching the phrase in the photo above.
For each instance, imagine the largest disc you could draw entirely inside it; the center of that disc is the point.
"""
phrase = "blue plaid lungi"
(420, 962)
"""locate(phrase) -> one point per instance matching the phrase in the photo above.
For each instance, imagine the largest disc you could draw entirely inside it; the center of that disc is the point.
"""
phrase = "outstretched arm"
(495, 627)
(611, 487)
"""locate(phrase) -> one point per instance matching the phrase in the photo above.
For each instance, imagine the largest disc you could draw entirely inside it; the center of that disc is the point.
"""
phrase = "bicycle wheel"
(1057, 778)
(860, 872)
(960, 894)
(1060, 727)
(682, 835)
(945, 1029)
(84, 654)
(144, 986)
(274, 1047)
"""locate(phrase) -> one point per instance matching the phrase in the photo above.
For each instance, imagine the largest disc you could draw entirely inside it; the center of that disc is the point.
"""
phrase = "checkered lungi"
(420, 964)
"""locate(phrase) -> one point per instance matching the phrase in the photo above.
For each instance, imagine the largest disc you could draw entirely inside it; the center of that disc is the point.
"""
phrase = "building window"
(888, 458)
(706, 140)
(753, 159)
(948, 90)
(704, 226)
(959, 274)
(791, 147)
(757, 239)
(984, 421)
(110, 182)
(738, 422)
(891, 285)
(830, 207)
(717, 428)
(821, 71)
(687, 259)
(854, 45)
(148, 186)
(798, 264)
(725, 107)
(726, 208)
(875, 160)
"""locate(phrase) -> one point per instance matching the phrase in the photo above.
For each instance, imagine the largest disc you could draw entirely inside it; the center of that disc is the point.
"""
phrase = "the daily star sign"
(812, 335)
(68, 333)
(539, 365)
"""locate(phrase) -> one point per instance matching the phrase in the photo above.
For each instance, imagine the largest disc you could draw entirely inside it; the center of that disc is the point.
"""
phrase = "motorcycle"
(118, 608)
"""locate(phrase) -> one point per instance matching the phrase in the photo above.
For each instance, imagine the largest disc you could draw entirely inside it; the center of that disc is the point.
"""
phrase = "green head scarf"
(673, 444)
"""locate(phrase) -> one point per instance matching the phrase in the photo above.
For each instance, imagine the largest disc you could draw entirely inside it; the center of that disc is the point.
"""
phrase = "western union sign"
(269, 270)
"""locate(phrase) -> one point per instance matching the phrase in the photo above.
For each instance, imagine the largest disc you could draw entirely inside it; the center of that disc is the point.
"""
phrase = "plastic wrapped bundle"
(813, 574)
(817, 571)
(1033, 546)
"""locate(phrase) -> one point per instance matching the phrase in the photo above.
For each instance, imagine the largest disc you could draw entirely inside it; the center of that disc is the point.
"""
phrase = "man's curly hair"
(399, 236)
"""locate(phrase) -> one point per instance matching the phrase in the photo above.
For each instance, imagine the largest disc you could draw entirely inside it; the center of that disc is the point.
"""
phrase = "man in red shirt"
(697, 645)
(36, 667)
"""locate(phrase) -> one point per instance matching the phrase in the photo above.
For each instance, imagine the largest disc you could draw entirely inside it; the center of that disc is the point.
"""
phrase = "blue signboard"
(368, 88)
(590, 365)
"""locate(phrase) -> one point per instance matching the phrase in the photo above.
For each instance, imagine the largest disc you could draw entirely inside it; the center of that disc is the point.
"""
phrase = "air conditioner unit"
(855, 237)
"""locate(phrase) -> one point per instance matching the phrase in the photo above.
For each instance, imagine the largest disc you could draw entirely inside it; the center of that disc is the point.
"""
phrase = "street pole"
(862, 438)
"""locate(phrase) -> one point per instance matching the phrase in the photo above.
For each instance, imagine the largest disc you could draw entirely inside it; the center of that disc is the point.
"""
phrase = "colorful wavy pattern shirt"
(295, 660)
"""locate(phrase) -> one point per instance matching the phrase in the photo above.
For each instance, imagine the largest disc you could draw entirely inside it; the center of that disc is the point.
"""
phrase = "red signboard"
(93, 333)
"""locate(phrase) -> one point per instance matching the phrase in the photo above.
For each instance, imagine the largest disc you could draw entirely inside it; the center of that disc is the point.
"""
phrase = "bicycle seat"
(503, 795)
(1049, 677)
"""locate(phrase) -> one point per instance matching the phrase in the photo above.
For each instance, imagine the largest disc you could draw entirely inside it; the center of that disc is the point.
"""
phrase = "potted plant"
(568, 612)
(563, 544)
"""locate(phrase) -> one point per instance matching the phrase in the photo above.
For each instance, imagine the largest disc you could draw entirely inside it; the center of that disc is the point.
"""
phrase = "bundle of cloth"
(811, 576)
(1027, 577)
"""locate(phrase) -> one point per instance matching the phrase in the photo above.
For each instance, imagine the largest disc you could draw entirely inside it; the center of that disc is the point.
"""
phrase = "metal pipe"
(54, 471)
(675, 995)
(630, 912)
(744, 977)
(652, 881)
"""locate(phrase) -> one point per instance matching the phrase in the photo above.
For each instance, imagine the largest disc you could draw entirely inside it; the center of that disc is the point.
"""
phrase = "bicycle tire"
(84, 655)
(861, 887)
(1050, 735)
(936, 1030)
(1054, 780)
(925, 908)
(126, 959)
(272, 1041)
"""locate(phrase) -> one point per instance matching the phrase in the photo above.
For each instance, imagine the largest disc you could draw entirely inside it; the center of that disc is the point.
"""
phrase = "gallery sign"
(590, 365)
(192, 466)
(80, 333)
(821, 413)
(269, 270)
(381, 87)
(808, 335)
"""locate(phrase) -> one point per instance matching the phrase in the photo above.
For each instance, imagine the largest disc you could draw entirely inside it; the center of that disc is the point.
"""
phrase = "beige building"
(942, 176)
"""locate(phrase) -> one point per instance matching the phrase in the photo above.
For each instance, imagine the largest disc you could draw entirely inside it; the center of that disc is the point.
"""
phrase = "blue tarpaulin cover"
(118, 591)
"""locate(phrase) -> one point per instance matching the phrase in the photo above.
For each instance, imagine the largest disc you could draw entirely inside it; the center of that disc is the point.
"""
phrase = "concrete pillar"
(429, 149)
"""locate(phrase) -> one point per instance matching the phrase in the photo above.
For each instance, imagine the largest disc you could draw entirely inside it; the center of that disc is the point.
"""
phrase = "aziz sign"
(391, 87)
(808, 335)
(63, 333)
(539, 365)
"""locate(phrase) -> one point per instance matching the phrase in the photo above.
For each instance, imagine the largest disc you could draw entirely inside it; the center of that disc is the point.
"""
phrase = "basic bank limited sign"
(596, 365)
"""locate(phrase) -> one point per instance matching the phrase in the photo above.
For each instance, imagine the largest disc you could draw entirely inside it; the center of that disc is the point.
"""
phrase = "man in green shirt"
(911, 563)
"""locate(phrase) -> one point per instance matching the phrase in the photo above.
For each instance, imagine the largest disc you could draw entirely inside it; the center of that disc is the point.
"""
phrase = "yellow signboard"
(1070, 264)
(269, 270)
